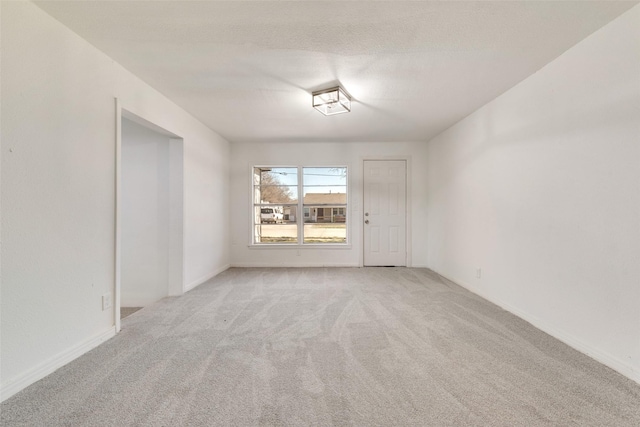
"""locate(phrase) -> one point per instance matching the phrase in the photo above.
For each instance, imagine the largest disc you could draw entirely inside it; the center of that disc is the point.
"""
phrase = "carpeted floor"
(328, 346)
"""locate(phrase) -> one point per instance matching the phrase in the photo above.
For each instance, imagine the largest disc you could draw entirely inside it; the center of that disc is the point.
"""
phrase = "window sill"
(296, 246)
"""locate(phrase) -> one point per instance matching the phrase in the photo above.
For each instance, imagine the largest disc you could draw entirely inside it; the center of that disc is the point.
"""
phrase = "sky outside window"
(325, 180)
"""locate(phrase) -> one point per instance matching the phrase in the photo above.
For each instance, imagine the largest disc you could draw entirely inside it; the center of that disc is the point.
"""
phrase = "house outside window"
(320, 193)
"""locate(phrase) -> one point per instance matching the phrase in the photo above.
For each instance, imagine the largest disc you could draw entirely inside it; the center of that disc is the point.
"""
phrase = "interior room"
(320, 213)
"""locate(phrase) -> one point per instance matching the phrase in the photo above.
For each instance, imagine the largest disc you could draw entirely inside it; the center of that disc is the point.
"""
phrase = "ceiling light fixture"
(331, 101)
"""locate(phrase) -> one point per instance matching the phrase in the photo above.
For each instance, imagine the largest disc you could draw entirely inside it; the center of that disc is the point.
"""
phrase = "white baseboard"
(291, 265)
(206, 277)
(47, 367)
(605, 358)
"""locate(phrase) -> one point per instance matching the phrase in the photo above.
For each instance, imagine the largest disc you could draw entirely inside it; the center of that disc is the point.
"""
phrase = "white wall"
(58, 191)
(245, 155)
(144, 215)
(541, 190)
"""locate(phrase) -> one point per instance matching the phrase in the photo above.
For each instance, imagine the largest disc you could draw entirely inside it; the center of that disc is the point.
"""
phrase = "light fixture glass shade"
(332, 101)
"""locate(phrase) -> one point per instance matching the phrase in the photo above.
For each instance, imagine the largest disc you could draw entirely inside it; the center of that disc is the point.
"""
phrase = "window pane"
(284, 176)
(324, 214)
(275, 185)
(276, 233)
(330, 196)
(324, 177)
(325, 233)
(278, 194)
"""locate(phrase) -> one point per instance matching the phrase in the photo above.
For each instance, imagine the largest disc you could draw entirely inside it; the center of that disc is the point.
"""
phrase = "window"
(320, 193)
(324, 191)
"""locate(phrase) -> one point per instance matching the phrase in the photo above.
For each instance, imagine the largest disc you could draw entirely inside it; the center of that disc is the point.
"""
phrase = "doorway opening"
(149, 253)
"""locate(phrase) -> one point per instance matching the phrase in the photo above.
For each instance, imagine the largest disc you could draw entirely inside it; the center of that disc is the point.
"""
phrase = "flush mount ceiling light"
(332, 101)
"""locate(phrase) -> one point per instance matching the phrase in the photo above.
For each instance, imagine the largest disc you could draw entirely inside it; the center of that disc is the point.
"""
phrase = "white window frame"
(300, 214)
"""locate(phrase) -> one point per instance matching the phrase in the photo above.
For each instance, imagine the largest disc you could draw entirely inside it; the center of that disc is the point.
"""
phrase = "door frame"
(408, 198)
(176, 236)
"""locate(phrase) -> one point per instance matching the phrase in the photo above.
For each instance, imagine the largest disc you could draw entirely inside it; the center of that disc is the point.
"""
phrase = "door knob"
(366, 221)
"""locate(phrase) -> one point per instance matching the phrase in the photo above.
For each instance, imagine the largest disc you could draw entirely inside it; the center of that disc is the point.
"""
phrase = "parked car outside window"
(271, 215)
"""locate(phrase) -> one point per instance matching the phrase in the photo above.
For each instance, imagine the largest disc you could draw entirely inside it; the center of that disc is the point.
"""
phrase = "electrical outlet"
(478, 273)
(106, 301)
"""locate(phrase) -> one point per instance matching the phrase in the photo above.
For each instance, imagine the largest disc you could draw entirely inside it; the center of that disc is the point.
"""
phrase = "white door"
(385, 215)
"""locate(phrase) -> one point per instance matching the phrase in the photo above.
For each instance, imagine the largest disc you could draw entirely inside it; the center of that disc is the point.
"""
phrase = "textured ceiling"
(247, 69)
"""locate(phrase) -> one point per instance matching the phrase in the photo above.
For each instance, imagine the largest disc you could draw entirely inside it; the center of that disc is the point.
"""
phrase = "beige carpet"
(128, 311)
(297, 347)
